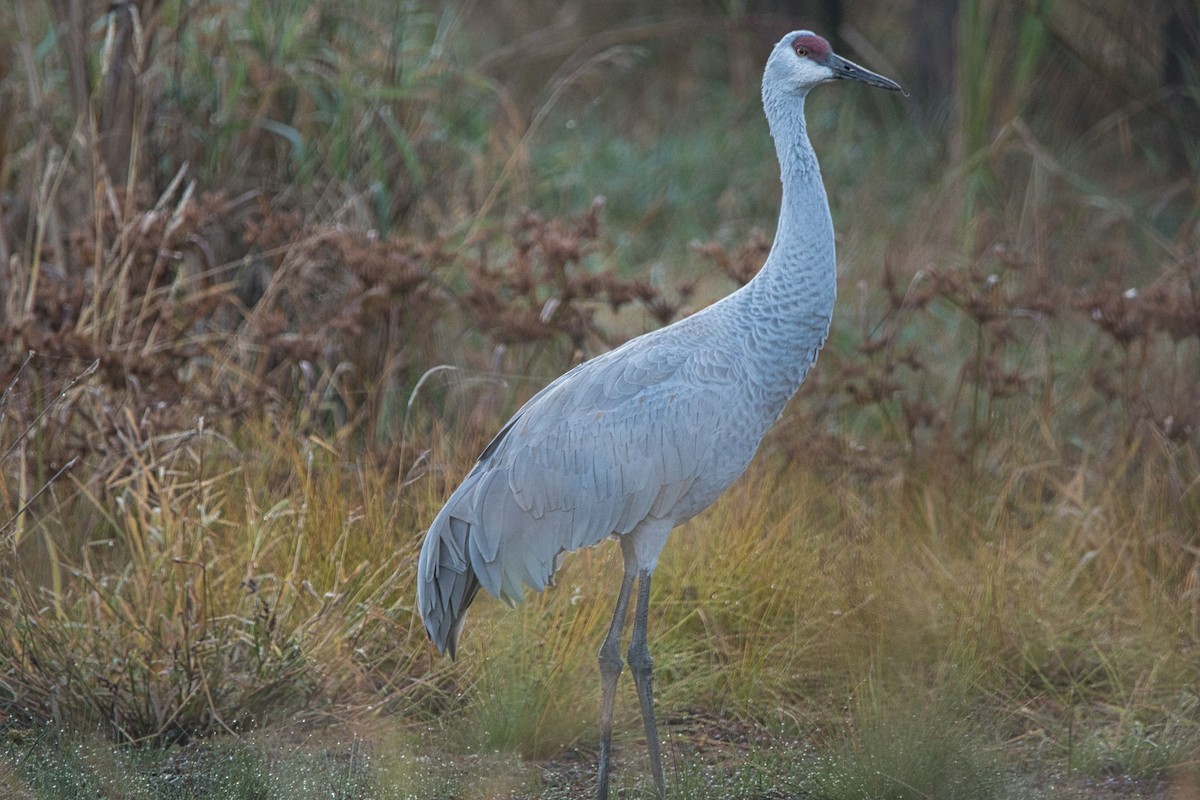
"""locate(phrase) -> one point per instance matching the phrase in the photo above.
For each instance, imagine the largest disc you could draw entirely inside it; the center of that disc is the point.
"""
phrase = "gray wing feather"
(619, 438)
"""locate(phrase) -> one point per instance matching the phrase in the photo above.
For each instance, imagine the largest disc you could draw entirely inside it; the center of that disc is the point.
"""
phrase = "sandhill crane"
(639, 440)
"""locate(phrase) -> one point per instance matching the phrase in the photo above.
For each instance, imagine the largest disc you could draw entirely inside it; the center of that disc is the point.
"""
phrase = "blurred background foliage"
(270, 273)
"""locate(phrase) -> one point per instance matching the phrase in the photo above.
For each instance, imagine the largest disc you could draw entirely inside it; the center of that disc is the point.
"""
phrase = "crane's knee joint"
(639, 658)
(610, 661)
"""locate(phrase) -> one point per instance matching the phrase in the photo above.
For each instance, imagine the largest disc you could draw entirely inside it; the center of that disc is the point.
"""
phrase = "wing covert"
(617, 439)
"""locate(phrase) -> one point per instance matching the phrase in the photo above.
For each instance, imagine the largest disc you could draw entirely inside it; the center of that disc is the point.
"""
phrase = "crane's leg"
(642, 667)
(610, 670)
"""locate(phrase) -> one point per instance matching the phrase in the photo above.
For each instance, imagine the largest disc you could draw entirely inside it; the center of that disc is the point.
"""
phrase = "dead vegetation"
(232, 395)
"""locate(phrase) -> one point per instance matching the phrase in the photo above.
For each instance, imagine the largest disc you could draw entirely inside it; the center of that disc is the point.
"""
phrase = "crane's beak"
(848, 70)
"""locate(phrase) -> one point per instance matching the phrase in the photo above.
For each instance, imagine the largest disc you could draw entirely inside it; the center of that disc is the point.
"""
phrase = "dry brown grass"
(227, 416)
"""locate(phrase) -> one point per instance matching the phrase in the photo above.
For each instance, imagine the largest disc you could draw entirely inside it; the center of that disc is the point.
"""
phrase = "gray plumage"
(640, 439)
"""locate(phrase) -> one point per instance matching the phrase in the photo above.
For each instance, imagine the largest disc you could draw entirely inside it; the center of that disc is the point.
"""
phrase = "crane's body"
(640, 439)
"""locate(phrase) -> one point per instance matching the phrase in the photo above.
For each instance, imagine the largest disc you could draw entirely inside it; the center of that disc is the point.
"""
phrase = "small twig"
(12, 520)
(13, 383)
(91, 368)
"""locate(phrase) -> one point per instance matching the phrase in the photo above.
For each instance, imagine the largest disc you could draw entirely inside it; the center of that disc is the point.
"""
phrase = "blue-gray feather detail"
(620, 438)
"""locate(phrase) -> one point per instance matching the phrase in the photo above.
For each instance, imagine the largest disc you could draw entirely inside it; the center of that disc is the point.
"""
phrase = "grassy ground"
(965, 564)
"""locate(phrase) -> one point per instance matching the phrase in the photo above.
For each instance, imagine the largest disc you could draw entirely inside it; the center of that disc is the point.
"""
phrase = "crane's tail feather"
(446, 582)
(484, 537)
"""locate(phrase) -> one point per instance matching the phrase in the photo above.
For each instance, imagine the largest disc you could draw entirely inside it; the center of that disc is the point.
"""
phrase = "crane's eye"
(801, 50)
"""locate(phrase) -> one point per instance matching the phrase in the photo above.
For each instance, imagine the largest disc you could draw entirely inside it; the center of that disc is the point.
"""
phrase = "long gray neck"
(790, 301)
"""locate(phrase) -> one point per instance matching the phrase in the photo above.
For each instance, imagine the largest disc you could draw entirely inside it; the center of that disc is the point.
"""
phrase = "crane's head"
(802, 59)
